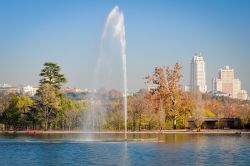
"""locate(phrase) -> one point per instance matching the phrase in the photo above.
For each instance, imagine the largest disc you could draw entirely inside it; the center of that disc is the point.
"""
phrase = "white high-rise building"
(227, 84)
(198, 74)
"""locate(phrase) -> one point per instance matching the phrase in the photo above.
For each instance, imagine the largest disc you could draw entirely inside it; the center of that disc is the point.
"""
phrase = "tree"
(167, 94)
(244, 114)
(14, 110)
(3, 105)
(157, 94)
(24, 104)
(63, 115)
(114, 117)
(11, 114)
(33, 117)
(74, 114)
(51, 75)
(48, 95)
(137, 110)
(47, 102)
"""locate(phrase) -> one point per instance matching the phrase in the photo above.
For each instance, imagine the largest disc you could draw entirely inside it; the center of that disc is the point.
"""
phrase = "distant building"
(242, 95)
(5, 85)
(86, 90)
(29, 90)
(198, 74)
(228, 84)
(114, 94)
(6, 89)
(70, 90)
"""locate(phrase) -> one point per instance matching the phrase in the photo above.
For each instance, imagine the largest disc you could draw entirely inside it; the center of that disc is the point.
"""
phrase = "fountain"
(111, 71)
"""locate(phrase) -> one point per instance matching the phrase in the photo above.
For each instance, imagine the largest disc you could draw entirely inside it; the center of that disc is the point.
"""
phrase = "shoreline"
(205, 131)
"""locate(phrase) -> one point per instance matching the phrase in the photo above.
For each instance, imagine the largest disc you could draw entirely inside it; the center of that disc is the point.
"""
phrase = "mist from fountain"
(110, 72)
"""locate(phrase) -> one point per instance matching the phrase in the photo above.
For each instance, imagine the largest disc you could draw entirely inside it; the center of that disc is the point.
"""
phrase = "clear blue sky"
(158, 33)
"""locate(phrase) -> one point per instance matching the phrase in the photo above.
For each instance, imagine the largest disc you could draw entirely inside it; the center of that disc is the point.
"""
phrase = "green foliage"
(33, 118)
(51, 75)
(48, 110)
(14, 113)
(66, 113)
(180, 123)
(114, 116)
(168, 124)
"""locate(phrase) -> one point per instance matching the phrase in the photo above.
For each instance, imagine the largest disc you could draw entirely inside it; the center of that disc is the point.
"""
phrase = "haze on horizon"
(157, 32)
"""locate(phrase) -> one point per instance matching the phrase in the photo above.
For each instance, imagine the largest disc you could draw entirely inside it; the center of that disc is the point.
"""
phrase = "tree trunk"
(160, 115)
(46, 119)
(134, 122)
(46, 125)
(140, 122)
(174, 127)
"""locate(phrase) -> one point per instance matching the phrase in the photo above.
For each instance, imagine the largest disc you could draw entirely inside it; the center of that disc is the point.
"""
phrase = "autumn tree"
(158, 92)
(244, 114)
(198, 109)
(137, 107)
(167, 94)
(47, 102)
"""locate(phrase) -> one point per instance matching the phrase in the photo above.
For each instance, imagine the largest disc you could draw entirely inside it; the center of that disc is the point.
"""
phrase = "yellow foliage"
(208, 113)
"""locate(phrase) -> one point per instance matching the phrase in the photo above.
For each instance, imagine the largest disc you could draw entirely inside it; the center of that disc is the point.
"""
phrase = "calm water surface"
(141, 149)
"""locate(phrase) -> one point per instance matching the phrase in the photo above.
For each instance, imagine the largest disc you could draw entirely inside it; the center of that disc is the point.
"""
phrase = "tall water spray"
(115, 23)
(111, 71)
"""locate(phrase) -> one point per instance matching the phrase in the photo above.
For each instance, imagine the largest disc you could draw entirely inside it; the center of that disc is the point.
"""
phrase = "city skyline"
(157, 34)
(197, 80)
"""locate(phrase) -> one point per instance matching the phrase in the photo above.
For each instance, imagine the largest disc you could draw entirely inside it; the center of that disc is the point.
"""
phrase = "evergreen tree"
(51, 75)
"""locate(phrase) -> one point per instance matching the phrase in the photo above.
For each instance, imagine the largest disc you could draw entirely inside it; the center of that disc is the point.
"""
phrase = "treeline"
(39, 112)
(48, 109)
(164, 106)
(146, 114)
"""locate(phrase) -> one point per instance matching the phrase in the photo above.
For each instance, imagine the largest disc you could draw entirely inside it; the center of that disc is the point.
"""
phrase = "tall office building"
(227, 84)
(198, 74)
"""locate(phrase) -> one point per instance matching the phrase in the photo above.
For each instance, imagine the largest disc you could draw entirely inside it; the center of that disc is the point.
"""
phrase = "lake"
(110, 149)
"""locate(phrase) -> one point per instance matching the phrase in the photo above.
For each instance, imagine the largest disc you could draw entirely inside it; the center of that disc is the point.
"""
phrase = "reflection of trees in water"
(176, 138)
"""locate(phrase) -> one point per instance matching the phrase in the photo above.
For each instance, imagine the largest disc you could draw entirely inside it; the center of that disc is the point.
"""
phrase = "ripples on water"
(109, 149)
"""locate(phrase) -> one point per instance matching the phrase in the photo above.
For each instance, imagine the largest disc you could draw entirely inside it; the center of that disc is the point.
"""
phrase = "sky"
(158, 32)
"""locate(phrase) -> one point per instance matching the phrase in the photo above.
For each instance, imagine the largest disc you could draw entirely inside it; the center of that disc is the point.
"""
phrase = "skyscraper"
(227, 84)
(198, 74)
